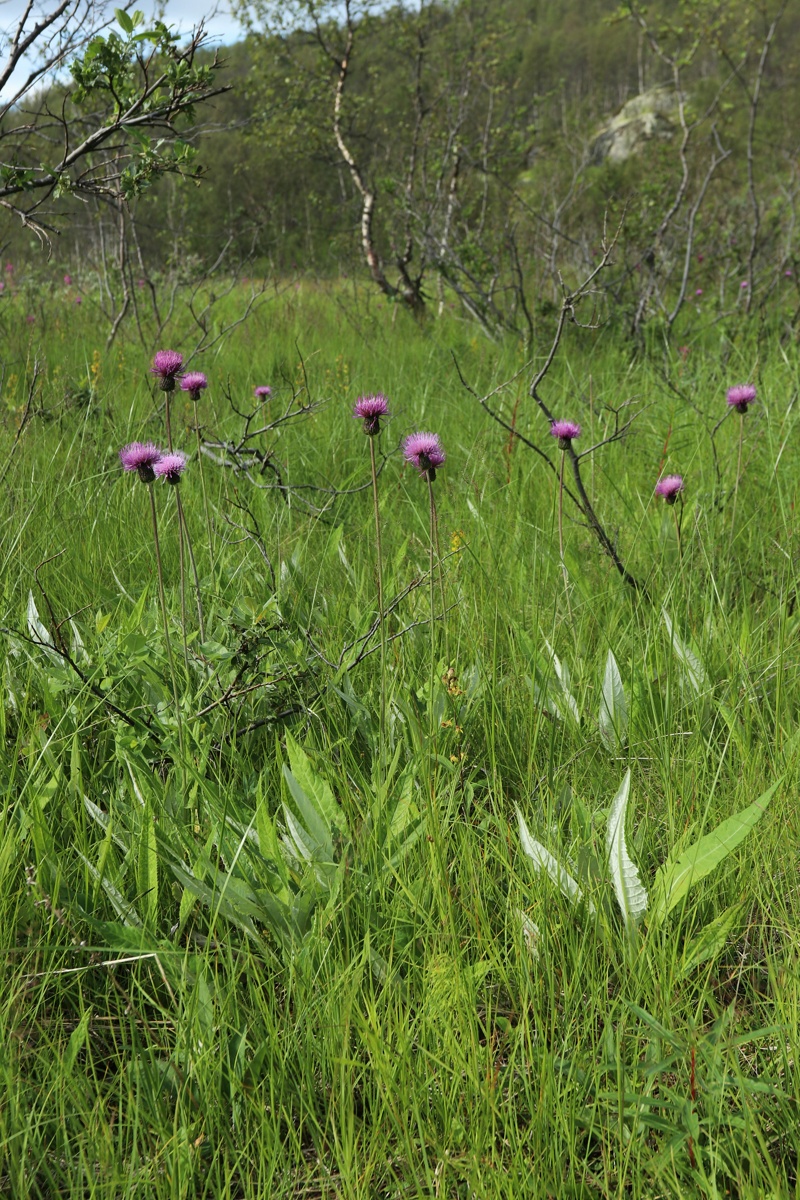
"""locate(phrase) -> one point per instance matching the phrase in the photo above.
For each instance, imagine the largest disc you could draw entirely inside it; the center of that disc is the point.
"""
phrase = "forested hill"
(483, 133)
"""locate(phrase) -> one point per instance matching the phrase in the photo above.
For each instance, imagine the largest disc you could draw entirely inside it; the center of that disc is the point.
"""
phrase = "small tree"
(111, 131)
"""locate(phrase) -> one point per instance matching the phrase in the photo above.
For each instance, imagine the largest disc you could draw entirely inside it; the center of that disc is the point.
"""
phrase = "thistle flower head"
(741, 396)
(171, 466)
(142, 458)
(424, 451)
(167, 366)
(565, 431)
(194, 382)
(670, 487)
(263, 392)
(370, 409)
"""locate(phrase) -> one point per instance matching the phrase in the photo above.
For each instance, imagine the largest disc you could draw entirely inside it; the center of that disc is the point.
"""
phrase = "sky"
(182, 14)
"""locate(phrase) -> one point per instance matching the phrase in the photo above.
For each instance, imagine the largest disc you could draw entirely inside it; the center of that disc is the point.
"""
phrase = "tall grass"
(260, 967)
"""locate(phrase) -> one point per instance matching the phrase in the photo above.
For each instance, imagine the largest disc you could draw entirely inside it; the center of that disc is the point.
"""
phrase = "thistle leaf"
(675, 877)
(543, 860)
(693, 669)
(613, 715)
(631, 895)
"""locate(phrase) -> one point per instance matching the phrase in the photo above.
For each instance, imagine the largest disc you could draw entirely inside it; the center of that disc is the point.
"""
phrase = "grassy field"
(258, 945)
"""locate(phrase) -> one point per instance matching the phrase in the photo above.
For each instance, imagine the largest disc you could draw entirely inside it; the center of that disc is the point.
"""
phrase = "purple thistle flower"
(194, 383)
(141, 457)
(424, 451)
(565, 431)
(370, 409)
(670, 487)
(744, 284)
(167, 366)
(171, 466)
(263, 392)
(741, 396)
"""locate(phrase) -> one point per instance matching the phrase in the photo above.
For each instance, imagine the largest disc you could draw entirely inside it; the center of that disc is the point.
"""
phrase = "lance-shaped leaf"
(631, 896)
(676, 876)
(693, 669)
(543, 860)
(613, 715)
(562, 675)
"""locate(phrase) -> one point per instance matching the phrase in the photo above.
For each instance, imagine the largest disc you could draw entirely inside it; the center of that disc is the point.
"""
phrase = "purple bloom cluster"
(424, 451)
(565, 431)
(167, 367)
(741, 396)
(171, 466)
(670, 487)
(140, 457)
(149, 461)
(370, 409)
(194, 382)
(263, 392)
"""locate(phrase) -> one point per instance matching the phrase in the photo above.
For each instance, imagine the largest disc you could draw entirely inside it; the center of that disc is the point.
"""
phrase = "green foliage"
(271, 964)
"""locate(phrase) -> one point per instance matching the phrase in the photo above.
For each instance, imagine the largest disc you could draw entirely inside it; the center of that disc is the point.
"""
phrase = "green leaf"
(76, 1041)
(543, 860)
(631, 896)
(674, 878)
(123, 20)
(306, 785)
(135, 619)
(710, 941)
(147, 867)
(693, 669)
(613, 715)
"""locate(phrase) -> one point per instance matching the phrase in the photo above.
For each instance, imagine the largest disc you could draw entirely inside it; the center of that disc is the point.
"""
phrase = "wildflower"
(565, 431)
(67, 280)
(194, 383)
(700, 257)
(741, 396)
(698, 292)
(79, 300)
(788, 272)
(171, 466)
(370, 409)
(424, 451)
(670, 487)
(744, 285)
(141, 457)
(263, 392)
(167, 366)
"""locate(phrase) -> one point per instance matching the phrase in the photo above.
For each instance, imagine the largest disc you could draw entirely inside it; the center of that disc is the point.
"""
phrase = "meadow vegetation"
(498, 903)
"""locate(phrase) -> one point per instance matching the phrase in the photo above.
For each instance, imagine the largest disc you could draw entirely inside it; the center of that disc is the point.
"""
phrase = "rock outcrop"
(652, 114)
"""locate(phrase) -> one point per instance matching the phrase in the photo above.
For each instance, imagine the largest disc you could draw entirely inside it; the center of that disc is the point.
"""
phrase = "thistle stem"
(206, 510)
(163, 602)
(379, 572)
(181, 553)
(185, 527)
(736, 486)
(564, 571)
(678, 527)
(432, 583)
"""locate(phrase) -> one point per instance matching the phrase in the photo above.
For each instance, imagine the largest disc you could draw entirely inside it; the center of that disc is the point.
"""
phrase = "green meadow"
(536, 932)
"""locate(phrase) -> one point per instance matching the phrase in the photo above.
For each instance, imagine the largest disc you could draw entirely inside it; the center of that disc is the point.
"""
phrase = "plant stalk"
(163, 601)
(185, 527)
(379, 572)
